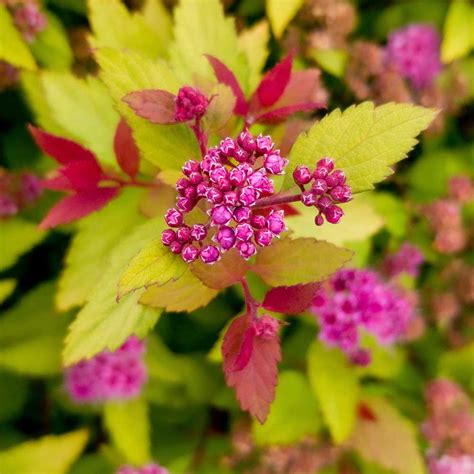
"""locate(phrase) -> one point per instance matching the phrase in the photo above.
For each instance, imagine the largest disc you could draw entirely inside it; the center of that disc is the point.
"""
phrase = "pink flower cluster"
(150, 468)
(408, 259)
(327, 187)
(109, 375)
(451, 465)
(414, 51)
(191, 104)
(355, 300)
(17, 191)
(28, 18)
(230, 179)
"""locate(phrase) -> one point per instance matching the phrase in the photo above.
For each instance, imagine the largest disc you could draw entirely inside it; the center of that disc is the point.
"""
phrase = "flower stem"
(277, 200)
(251, 304)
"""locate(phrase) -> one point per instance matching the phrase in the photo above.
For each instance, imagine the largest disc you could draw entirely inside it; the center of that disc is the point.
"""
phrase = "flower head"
(190, 104)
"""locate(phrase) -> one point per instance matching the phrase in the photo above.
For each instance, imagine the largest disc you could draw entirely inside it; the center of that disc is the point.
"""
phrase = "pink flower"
(190, 104)
(408, 259)
(150, 468)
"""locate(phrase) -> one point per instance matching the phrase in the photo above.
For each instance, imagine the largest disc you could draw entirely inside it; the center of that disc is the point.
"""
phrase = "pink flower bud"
(246, 249)
(242, 214)
(319, 187)
(168, 236)
(341, 193)
(276, 222)
(247, 142)
(244, 231)
(176, 247)
(208, 163)
(237, 176)
(190, 193)
(360, 357)
(214, 195)
(201, 190)
(334, 214)
(263, 237)
(326, 162)
(198, 232)
(264, 144)
(182, 184)
(340, 175)
(274, 163)
(183, 234)
(195, 178)
(241, 155)
(227, 147)
(320, 173)
(185, 204)
(258, 221)
(173, 217)
(230, 198)
(266, 327)
(190, 166)
(225, 237)
(224, 184)
(190, 104)
(221, 215)
(248, 196)
(308, 198)
(323, 203)
(332, 180)
(190, 253)
(218, 173)
(302, 175)
(319, 220)
(210, 254)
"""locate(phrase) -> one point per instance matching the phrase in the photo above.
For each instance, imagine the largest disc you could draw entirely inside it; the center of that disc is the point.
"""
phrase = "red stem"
(277, 200)
(200, 135)
(251, 304)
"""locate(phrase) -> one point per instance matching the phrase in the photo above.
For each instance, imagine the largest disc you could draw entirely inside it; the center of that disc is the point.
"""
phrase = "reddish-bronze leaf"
(281, 113)
(290, 299)
(82, 175)
(156, 105)
(126, 151)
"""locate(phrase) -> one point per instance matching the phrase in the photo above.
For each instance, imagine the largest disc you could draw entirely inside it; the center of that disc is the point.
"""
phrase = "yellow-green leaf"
(332, 61)
(335, 384)
(364, 141)
(6, 288)
(220, 109)
(280, 13)
(297, 261)
(53, 454)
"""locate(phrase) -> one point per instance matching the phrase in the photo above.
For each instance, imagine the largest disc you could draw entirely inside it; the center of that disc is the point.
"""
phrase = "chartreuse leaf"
(297, 261)
(458, 34)
(392, 210)
(335, 384)
(254, 43)
(165, 146)
(103, 322)
(129, 428)
(220, 109)
(17, 237)
(31, 334)
(293, 415)
(87, 255)
(374, 439)
(364, 141)
(332, 61)
(281, 13)
(6, 288)
(201, 28)
(359, 222)
(13, 48)
(457, 365)
(53, 454)
(115, 27)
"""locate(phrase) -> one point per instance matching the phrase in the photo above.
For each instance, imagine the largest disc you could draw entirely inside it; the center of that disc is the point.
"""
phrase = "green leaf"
(360, 222)
(281, 13)
(155, 264)
(364, 141)
(49, 454)
(185, 294)
(51, 46)
(103, 323)
(84, 109)
(201, 28)
(253, 42)
(297, 261)
(220, 109)
(336, 387)
(457, 365)
(115, 27)
(13, 48)
(31, 334)
(17, 237)
(293, 415)
(392, 210)
(7, 287)
(389, 440)
(88, 255)
(332, 61)
(129, 428)
(458, 34)
(13, 396)
(165, 146)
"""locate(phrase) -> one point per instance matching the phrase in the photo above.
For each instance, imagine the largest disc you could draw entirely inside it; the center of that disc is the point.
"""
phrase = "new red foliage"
(290, 299)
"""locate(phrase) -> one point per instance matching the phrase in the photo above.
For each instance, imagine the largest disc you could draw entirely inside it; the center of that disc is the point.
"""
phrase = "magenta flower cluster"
(415, 52)
(230, 179)
(29, 19)
(191, 104)
(150, 468)
(109, 375)
(17, 191)
(326, 188)
(354, 301)
(408, 260)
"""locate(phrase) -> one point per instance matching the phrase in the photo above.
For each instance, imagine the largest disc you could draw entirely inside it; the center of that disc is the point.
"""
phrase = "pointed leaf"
(290, 299)
(155, 105)
(226, 76)
(277, 115)
(220, 109)
(255, 381)
(289, 262)
(61, 149)
(457, 35)
(78, 205)
(126, 151)
(82, 175)
(281, 13)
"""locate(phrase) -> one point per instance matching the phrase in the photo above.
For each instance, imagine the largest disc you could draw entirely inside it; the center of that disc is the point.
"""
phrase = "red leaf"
(227, 77)
(64, 151)
(290, 299)
(254, 381)
(78, 205)
(156, 105)
(277, 115)
(274, 82)
(126, 151)
(366, 413)
(57, 182)
(82, 175)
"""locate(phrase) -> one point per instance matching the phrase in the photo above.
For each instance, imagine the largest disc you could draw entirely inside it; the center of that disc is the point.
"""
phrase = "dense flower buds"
(414, 52)
(17, 191)
(151, 468)
(190, 104)
(408, 260)
(230, 179)
(327, 188)
(109, 375)
(356, 300)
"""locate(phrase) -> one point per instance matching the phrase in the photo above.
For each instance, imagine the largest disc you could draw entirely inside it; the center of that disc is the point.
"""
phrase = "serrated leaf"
(281, 13)
(294, 413)
(126, 151)
(129, 428)
(87, 255)
(290, 299)
(336, 387)
(364, 141)
(290, 262)
(103, 323)
(165, 146)
(17, 237)
(458, 36)
(53, 454)
(185, 294)
(201, 28)
(374, 439)
(13, 48)
(155, 264)
(115, 27)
